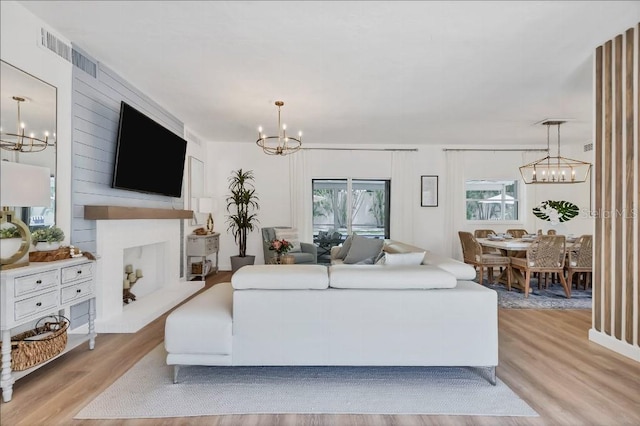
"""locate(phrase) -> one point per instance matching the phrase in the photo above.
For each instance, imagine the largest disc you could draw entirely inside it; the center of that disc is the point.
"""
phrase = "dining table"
(512, 247)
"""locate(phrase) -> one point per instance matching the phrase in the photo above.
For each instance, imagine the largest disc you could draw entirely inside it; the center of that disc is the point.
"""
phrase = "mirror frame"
(17, 82)
(196, 190)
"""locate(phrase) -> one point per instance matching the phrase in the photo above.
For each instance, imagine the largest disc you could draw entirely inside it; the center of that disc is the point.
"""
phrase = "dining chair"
(484, 233)
(517, 233)
(552, 232)
(473, 255)
(545, 254)
(579, 259)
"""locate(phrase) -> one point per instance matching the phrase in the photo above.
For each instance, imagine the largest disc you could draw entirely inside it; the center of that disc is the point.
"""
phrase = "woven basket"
(26, 353)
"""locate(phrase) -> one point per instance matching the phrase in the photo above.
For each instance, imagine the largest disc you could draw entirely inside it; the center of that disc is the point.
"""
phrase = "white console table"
(201, 246)
(40, 289)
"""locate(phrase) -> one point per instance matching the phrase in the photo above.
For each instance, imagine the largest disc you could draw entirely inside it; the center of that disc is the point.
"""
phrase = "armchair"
(308, 253)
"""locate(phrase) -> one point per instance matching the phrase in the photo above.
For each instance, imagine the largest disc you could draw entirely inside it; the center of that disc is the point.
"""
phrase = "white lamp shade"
(24, 185)
(205, 205)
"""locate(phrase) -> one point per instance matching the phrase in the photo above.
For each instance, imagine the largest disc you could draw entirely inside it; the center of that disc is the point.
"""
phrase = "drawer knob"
(39, 282)
(78, 291)
(79, 272)
(39, 304)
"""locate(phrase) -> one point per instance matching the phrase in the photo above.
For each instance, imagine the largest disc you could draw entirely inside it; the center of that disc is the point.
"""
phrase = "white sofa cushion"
(293, 277)
(389, 277)
(412, 258)
(461, 271)
(202, 325)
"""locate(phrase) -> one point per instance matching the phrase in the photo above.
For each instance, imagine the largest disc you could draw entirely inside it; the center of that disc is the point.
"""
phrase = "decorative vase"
(46, 246)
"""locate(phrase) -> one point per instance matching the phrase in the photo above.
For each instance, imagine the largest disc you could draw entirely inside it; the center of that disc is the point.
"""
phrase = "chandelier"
(281, 144)
(555, 169)
(19, 141)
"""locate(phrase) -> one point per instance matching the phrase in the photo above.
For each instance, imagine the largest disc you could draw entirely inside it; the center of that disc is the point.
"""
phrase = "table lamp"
(205, 205)
(21, 185)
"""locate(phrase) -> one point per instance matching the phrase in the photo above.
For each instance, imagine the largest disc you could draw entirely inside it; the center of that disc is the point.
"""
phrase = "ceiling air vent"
(50, 41)
(588, 147)
(55, 45)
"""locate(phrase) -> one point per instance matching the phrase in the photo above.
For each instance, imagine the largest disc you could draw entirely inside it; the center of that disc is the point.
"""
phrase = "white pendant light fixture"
(280, 144)
(555, 169)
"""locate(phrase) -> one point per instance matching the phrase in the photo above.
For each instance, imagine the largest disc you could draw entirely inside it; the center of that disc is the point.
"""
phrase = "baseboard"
(623, 348)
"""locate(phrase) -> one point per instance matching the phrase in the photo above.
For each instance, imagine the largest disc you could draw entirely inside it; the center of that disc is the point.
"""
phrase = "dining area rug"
(552, 297)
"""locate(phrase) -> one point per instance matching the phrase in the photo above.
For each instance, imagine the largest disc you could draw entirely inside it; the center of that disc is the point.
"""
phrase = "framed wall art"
(429, 191)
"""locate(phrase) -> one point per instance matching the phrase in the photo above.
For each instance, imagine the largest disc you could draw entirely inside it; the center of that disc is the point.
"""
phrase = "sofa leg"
(492, 377)
(176, 369)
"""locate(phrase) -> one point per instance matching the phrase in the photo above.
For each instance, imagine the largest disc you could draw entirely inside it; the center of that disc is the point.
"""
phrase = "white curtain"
(404, 195)
(300, 194)
(455, 203)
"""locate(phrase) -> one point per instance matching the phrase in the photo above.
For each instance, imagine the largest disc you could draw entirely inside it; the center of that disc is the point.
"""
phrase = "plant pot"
(238, 262)
(45, 246)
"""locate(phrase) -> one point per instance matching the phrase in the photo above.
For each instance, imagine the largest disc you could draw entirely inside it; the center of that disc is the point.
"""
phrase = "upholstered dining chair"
(545, 254)
(517, 233)
(473, 255)
(484, 233)
(552, 232)
(579, 259)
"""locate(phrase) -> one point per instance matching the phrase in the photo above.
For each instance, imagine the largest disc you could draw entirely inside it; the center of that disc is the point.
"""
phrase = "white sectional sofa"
(383, 315)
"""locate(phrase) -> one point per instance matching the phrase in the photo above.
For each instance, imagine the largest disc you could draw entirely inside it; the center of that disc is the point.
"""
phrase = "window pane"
(492, 200)
(329, 205)
(369, 208)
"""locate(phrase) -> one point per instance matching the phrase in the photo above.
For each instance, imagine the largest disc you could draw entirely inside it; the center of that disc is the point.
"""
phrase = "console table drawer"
(76, 291)
(77, 272)
(41, 303)
(35, 282)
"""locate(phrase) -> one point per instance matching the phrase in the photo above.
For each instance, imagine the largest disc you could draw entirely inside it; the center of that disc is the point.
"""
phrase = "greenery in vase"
(49, 235)
(241, 204)
(10, 232)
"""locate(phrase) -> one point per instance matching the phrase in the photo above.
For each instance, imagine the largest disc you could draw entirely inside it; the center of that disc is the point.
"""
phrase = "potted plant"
(47, 238)
(241, 206)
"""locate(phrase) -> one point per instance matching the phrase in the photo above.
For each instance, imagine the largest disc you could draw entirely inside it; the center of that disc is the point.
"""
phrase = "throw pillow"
(344, 249)
(363, 248)
(411, 258)
(379, 260)
(291, 235)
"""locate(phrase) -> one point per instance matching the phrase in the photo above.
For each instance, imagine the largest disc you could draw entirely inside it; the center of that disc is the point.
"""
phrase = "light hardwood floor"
(545, 357)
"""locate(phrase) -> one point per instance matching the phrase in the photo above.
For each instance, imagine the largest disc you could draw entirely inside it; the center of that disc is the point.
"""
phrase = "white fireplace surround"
(114, 238)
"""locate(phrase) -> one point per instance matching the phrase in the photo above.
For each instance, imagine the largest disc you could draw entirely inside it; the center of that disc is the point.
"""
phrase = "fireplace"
(152, 245)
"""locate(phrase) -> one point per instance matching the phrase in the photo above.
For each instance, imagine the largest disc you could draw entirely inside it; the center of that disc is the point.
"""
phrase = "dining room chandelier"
(280, 144)
(20, 141)
(555, 169)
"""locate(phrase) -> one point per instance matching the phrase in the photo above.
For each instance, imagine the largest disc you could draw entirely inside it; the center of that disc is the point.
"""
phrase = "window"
(366, 201)
(492, 200)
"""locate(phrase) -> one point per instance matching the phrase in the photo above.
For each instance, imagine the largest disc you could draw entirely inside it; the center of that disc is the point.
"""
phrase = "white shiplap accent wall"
(96, 110)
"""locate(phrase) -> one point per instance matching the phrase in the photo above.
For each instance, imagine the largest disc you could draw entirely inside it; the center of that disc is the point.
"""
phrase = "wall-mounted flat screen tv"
(149, 157)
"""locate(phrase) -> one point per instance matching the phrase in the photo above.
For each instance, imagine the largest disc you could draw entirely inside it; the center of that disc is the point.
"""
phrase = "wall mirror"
(196, 190)
(38, 113)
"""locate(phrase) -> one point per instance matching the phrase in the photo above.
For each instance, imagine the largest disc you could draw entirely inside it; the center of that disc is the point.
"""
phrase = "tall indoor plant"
(241, 206)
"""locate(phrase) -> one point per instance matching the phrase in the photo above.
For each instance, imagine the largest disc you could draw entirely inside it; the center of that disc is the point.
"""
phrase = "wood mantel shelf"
(121, 212)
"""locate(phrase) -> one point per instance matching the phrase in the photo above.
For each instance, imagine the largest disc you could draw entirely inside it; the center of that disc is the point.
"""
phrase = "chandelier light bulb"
(22, 125)
(284, 127)
(259, 129)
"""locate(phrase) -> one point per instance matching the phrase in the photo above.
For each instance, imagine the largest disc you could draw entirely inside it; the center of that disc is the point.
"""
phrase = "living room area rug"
(147, 391)
(552, 297)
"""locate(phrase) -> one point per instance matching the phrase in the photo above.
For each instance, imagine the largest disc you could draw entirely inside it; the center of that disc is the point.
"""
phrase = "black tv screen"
(149, 157)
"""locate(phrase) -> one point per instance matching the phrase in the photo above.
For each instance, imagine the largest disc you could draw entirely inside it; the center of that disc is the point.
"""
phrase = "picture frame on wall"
(429, 191)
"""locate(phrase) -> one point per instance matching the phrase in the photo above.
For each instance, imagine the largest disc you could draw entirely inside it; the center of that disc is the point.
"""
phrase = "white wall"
(19, 33)
(428, 223)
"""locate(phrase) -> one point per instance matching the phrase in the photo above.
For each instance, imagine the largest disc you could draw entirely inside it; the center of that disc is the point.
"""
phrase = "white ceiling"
(390, 72)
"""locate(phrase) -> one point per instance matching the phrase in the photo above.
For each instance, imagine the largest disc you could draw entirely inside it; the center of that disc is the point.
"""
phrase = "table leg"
(6, 379)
